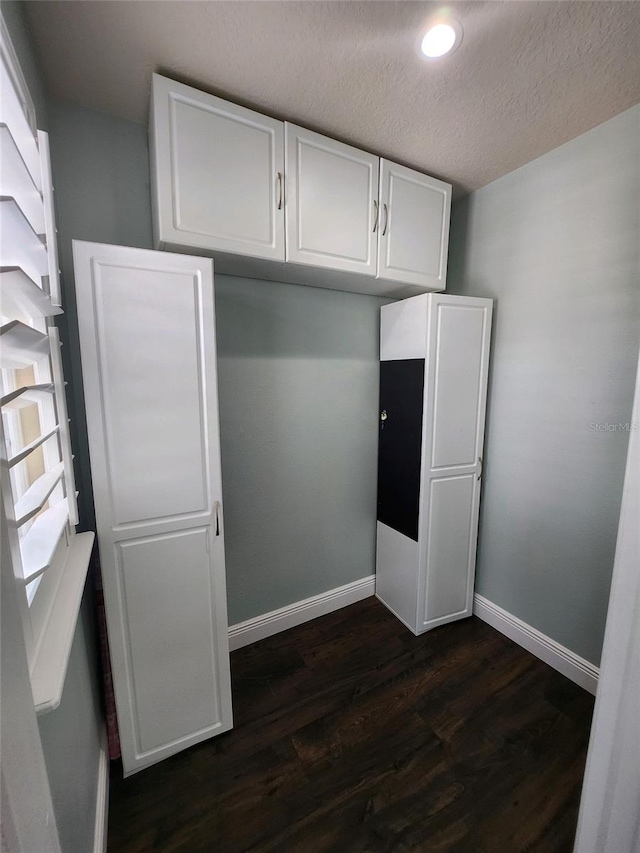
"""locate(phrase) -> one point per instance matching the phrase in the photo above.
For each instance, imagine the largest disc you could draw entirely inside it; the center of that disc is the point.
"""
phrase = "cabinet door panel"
(414, 227)
(449, 546)
(330, 211)
(147, 336)
(216, 171)
(458, 377)
(152, 392)
(166, 596)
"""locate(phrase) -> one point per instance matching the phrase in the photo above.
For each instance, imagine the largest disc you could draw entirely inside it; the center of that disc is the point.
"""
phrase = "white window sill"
(50, 664)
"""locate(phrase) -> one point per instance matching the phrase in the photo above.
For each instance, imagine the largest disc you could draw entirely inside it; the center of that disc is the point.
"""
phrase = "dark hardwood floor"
(353, 736)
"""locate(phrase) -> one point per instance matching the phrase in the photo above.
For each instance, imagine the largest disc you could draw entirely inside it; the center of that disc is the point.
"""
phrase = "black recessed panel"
(400, 445)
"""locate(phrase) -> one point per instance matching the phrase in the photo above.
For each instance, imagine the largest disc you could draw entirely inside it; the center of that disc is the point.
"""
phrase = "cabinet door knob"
(480, 464)
(280, 192)
(375, 219)
(386, 219)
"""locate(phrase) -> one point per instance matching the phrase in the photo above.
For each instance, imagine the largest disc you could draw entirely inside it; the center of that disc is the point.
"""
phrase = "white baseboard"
(559, 657)
(102, 799)
(245, 633)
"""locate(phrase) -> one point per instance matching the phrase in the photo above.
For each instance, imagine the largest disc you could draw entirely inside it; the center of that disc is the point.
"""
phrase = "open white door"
(609, 820)
(147, 335)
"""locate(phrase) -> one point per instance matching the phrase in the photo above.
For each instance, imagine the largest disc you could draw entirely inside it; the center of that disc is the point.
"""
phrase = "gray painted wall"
(70, 735)
(298, 374)
(101, 176)
(13, 14)
(557, 245)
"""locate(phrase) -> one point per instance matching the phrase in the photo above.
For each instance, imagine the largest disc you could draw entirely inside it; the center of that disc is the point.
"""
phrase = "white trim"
(245, 633)
(28, 817)
(56, 376)
(49, 220)
(102, 799)
(54, 647)
(559, 657)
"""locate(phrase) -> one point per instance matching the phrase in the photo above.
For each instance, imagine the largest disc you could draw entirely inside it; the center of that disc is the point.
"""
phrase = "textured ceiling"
(527, 77)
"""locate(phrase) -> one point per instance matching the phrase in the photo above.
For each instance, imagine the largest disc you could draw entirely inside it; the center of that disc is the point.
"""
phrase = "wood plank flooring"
(353, 736)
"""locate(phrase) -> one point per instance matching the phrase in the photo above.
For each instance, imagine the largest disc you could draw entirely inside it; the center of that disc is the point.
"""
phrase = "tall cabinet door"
(147, 335)
(332, 203)
(217, 172)
(414, 227)
(458, 337)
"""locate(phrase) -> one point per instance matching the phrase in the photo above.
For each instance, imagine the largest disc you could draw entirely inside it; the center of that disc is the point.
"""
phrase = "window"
(37, 466)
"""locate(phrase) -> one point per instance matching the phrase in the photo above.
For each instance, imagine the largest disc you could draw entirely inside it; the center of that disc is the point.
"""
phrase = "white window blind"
(37, 466)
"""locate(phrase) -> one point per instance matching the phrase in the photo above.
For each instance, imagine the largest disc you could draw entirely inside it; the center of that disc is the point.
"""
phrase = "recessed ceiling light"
(441, 38)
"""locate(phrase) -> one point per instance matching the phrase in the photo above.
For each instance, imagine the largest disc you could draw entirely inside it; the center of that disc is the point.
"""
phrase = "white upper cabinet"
(272, 200)
(414, 227)
(331, 203)
(218, 174)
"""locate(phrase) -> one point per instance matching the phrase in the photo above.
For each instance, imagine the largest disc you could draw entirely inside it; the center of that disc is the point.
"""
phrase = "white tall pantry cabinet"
(434, 354)
(147, 336)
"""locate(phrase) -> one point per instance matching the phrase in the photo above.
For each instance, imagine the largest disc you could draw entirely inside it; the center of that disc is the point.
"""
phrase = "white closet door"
(331, 204)
(218, 172)
(413, 237)
(147, 334)
(456, 371)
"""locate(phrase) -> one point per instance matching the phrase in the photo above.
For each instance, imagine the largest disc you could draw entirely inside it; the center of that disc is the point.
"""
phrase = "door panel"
(152, 391)
(237, 168)
(449, 545)
(457, 370)
(147, 335)
(414, 213)
(216, 171)
(400, 444)
(414, 227)
(166, 586)
(330, 212)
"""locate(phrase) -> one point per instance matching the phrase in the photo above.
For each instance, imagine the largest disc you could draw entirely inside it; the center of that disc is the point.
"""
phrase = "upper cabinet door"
(218, 173)
(414, 227)
(331, 203)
